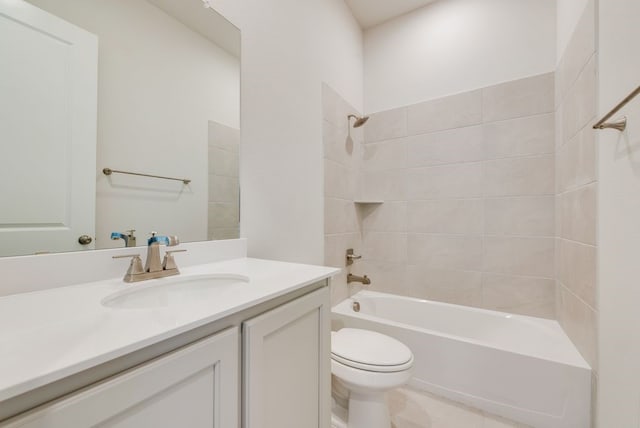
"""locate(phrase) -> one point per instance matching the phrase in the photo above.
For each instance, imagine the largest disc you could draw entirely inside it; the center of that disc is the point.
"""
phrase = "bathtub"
(523, 368)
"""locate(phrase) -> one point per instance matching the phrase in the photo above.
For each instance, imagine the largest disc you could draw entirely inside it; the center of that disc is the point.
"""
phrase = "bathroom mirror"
(135, 86)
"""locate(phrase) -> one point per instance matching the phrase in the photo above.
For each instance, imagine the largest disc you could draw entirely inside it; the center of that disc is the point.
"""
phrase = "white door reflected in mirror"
(48, 102)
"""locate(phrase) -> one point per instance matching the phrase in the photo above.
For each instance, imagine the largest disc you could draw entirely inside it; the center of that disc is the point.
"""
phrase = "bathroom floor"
(411, 408)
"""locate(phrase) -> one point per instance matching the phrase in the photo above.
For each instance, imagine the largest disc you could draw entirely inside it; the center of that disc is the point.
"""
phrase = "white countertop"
(48, 335)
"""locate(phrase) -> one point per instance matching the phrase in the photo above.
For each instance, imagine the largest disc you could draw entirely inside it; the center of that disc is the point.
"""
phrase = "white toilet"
(368, 364)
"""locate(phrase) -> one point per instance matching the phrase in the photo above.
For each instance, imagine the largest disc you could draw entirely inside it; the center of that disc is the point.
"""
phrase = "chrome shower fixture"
(359, 120)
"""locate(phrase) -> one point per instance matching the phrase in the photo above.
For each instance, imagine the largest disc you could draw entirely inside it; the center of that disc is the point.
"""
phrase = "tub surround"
(468, 187)
(56, 332)
(576, 187)
(342, 169)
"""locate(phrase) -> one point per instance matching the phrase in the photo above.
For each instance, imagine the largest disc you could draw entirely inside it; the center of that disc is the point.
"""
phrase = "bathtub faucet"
(355, 278)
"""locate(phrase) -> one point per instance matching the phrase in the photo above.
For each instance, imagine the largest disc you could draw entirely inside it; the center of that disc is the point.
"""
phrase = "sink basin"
(175, 291)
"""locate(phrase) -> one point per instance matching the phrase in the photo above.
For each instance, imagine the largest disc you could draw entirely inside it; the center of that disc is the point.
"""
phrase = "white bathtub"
(523, 368)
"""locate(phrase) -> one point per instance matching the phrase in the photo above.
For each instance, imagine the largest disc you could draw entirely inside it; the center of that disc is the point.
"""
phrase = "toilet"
(369, 364)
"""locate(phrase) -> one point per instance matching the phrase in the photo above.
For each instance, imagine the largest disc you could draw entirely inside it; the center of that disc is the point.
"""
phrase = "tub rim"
(344, 308)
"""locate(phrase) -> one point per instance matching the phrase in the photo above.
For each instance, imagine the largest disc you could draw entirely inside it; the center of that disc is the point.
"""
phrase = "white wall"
(619, 211)
(455, 46)
(159, 85)
(568, 13)
(288, 48)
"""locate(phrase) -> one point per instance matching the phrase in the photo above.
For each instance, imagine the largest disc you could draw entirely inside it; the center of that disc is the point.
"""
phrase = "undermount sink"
(174, 291)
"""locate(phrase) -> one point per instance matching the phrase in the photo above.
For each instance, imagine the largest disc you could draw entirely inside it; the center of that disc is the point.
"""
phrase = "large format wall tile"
(580, 323)
(473, 196)
(340, 216)
(579, 107)
(390, 185)
(451, 146)
(450, 112)
(529, 135)
(576, 161)
(223, 221)
(520, 176)
(337, 145)
(577, 269)
(519, 256)
(386, 277)
(224, 215)
(578, 214)
(342, 161)
(386, 125)
(445, 251)
(223, 189)
(223, 162)
(524, 97)
(445, 285)
(384, 155)
(339, 180)
(448, 181)
(530, 216)
(387, 217)
(519, 294)
(576, 297)
(334, 250)
(452, 216)
(385, 246)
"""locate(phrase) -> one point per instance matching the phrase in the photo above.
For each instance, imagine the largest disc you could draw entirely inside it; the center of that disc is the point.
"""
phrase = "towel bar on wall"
(621, 124)
(109, 171)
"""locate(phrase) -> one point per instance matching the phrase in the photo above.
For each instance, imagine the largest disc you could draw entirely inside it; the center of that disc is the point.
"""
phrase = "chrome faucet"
(154, 268)
(128, 238)
(355, 278)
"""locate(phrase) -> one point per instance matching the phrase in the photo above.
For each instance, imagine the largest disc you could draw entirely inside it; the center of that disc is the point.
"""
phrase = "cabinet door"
(286, 382)
(195, 386)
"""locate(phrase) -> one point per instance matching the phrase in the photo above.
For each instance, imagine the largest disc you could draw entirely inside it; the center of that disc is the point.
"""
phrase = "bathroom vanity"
(228, 343)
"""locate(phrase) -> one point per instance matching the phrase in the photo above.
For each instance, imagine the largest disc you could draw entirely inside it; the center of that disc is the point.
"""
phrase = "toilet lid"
(370, 350)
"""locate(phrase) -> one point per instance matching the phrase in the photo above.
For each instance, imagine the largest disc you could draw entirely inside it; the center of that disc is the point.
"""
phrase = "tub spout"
(355, 278)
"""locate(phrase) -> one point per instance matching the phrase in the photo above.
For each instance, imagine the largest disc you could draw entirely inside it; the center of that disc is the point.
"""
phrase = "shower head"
(359, 120)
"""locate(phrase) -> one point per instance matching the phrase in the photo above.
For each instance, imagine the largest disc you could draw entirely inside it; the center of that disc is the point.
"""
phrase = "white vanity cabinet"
(195, 386)
(286, 365)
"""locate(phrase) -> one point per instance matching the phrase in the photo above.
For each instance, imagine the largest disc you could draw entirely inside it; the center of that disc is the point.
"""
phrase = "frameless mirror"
(149, 87)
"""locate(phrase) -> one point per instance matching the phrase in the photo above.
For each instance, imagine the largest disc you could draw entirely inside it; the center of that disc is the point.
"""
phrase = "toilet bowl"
(369, 364)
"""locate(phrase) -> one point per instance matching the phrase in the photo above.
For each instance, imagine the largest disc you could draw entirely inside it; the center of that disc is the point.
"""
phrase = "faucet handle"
(128, 237)
(169, 241)
(169, 262)
(351, 257)
(135, 267)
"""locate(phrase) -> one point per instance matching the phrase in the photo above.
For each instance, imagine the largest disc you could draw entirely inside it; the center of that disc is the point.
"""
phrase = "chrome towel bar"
(621, 124)
(109, 171)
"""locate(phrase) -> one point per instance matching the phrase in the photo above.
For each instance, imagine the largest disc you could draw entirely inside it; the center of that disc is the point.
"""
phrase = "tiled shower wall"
(342, 159)
(224, 187)
(576, 302)
(469, 198)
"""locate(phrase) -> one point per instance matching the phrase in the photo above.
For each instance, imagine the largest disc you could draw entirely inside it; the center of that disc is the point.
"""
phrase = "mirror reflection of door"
(48, 103)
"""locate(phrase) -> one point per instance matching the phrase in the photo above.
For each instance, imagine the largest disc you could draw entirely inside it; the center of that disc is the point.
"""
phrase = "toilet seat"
(370, 351)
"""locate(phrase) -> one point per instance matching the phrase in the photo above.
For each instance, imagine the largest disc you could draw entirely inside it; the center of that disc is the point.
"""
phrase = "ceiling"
(370, 13)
